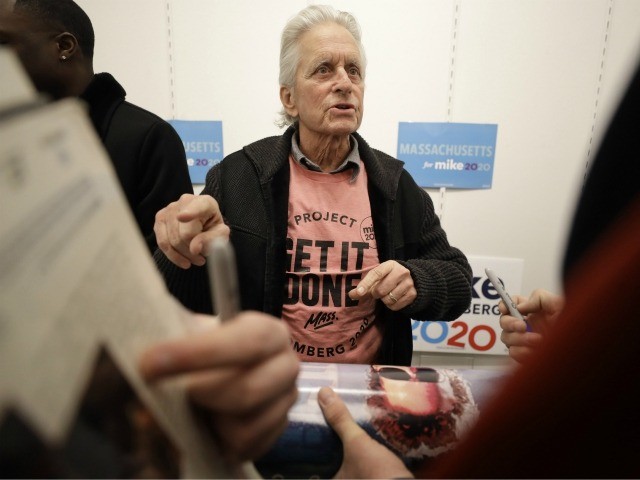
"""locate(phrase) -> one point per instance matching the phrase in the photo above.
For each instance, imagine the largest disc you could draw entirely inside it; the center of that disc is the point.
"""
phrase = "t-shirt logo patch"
(367, 233)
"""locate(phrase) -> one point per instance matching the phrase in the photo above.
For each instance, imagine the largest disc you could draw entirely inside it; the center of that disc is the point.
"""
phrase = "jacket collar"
(383, 171)
(271, 154)
(103, 95)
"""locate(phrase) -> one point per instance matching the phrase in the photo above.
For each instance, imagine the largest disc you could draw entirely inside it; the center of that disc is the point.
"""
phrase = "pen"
(223, 279)
(504, 295)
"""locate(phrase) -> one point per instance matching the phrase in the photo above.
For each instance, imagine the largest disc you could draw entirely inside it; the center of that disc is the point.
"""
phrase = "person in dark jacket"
(54, 40)
(331, 235)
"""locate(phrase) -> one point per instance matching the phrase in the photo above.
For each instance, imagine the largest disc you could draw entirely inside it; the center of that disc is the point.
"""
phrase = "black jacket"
(146, 152)
(252, 188)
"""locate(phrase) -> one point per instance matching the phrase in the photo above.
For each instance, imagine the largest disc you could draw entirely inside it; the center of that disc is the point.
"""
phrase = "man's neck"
(78, 81)
(328, 152)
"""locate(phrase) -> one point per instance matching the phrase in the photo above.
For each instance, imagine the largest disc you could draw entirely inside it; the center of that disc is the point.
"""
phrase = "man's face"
(329, 87)
(34, 43)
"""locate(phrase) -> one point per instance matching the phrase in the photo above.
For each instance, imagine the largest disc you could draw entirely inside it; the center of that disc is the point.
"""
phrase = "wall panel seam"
(598, 88)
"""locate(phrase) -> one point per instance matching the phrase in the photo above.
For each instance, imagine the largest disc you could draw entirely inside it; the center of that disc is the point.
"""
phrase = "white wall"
(548, 72)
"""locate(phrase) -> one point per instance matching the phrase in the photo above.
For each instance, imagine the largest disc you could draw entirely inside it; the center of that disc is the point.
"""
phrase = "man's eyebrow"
(315, 64)
(321, 60)
(329, 59)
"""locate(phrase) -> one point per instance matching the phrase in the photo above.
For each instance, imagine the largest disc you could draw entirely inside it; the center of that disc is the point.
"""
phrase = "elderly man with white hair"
(331, 235)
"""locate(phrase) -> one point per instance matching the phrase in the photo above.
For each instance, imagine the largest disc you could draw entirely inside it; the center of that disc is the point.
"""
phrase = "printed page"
(80, 300)
(16, 89)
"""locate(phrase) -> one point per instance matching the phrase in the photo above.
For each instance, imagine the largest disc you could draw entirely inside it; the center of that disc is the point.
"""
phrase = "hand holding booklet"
(80, 300)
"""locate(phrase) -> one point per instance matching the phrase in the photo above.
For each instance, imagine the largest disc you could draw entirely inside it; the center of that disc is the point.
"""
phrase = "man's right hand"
(184, 229)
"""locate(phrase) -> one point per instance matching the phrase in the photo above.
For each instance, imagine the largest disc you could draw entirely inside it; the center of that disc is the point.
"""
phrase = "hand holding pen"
(540, 310)
(241, 374)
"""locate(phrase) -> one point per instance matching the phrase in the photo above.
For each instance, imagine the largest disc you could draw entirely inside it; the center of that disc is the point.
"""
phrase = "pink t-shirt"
(330, 247)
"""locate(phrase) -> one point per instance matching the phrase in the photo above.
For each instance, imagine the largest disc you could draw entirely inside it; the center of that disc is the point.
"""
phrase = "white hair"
(304, 21)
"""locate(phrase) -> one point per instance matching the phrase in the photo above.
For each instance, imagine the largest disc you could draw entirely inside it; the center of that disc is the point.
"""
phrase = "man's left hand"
(390, 282)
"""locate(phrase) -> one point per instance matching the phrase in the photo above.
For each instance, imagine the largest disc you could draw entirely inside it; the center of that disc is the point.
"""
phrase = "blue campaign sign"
(453, 155)
(202, 143)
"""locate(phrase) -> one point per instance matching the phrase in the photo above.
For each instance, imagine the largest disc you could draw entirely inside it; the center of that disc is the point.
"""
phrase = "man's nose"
(343, 81)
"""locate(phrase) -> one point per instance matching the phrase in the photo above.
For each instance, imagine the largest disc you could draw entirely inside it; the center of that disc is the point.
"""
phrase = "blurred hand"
(184, 229)
(363, 456)
(390, 282)
(540, 310)
(242, 373)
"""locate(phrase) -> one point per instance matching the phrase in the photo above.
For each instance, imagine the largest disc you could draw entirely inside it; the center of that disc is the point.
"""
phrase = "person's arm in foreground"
(242, 373)
(540, 311)
(363, 456)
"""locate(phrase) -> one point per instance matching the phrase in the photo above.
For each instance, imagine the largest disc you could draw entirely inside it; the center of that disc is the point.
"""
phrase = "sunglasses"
(418, 375)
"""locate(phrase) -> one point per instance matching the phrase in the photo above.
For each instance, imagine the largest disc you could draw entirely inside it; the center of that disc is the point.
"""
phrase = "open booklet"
(417, 412)
(80, 298)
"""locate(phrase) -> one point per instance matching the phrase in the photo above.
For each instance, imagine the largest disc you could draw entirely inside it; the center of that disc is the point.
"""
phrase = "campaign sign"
(203, 145)
(453, 155)
(478, 329)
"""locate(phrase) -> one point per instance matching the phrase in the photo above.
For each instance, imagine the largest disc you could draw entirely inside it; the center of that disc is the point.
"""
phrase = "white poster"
(478, 330)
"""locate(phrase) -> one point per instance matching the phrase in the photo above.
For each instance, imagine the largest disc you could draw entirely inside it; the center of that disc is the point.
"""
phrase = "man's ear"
(288, 102)
(67, 45)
